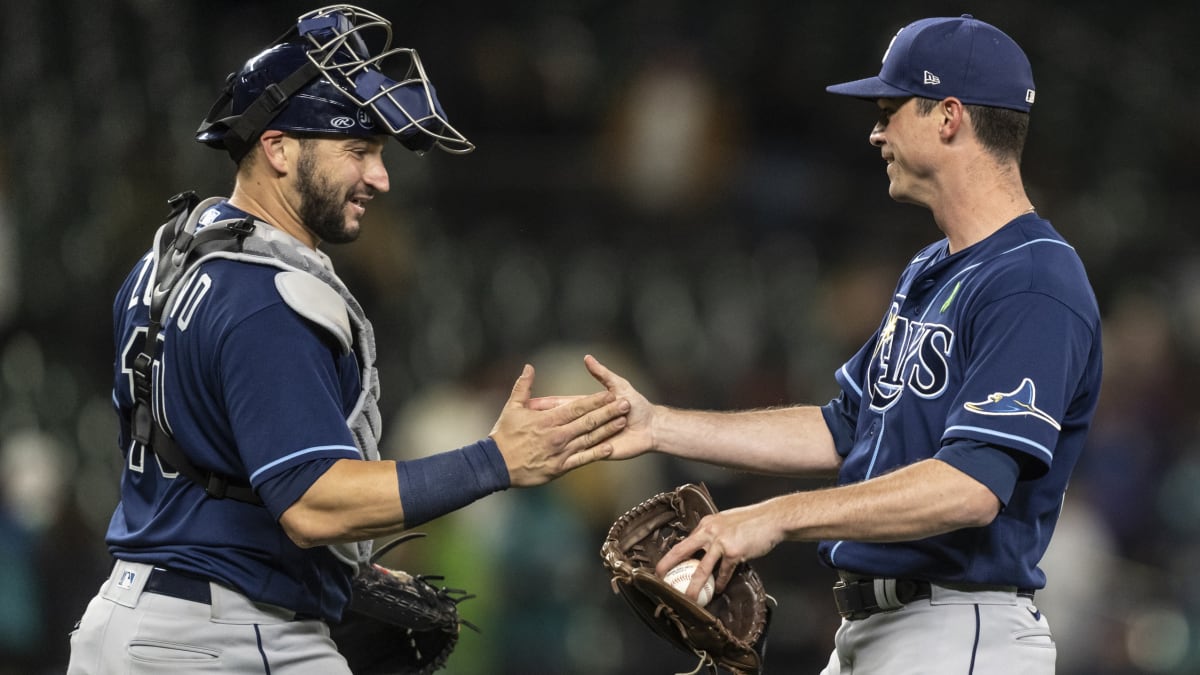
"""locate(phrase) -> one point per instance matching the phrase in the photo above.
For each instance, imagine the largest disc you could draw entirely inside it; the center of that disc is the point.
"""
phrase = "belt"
(861, 597)
(178, 585)
(184, 586)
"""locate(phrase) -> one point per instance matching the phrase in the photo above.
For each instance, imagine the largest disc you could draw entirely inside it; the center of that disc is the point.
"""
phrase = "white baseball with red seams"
(680, 577)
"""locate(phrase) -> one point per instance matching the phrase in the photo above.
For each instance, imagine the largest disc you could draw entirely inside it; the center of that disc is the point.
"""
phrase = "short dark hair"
(248, 160)
(1001, 131)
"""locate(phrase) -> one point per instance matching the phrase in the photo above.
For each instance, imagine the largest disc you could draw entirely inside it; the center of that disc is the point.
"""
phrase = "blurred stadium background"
(662, 183)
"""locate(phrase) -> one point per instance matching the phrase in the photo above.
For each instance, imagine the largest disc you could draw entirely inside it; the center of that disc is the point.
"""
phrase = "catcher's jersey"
(996, 344)
(249, 390)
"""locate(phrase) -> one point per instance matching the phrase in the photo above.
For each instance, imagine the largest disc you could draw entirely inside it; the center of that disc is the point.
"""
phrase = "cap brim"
(869, 88)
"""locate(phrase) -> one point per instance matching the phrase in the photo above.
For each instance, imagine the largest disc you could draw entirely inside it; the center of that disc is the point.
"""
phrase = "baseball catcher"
(397, 623)
(730, 631)
(246, 389)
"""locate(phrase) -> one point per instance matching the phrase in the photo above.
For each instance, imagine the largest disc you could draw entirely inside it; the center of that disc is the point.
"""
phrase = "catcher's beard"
(322, 204)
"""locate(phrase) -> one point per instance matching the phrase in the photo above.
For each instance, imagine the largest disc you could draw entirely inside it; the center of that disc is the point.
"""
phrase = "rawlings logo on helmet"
(323, 68)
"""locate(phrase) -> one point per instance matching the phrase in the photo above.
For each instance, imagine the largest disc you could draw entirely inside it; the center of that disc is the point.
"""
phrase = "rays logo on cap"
(889, 47)
(950, 56)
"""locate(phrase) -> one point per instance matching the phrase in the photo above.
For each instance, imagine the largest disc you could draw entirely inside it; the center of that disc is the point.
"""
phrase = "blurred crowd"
(663, 184)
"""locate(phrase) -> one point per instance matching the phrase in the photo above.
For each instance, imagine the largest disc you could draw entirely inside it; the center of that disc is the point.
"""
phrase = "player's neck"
(270, 206)
(970, 213)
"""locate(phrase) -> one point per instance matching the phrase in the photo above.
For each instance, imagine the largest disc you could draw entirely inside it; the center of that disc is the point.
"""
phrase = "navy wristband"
(434, 486)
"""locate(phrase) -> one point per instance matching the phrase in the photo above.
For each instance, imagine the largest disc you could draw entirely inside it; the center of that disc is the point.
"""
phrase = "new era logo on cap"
(962, 57)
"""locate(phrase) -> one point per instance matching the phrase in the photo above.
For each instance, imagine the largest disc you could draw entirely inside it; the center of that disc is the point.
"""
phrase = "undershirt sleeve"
(841, 420)
(995, 467)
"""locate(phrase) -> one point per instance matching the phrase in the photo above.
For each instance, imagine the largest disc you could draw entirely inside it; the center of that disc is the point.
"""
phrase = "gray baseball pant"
(130, 632)
(953, 632)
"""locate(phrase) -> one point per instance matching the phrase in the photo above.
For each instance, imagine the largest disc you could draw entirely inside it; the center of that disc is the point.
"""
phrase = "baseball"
(681, 575)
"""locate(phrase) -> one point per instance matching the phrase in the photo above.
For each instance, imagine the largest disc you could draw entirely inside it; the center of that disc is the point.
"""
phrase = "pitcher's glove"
(397, 623)
(731, 630)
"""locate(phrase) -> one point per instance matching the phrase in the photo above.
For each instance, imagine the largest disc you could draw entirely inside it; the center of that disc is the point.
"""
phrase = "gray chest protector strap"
(306, 282)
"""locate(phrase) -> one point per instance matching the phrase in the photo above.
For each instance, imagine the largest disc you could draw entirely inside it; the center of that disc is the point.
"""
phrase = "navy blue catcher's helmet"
(322, 77)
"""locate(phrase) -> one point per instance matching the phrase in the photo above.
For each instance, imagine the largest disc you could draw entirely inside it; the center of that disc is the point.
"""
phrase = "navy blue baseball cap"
(961, 57)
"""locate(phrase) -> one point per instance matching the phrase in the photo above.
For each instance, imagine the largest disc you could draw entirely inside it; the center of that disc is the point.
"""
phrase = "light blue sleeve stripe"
(1039, 241)
(850, 381)
(833, 553)
(1007, 437)
(320, 448)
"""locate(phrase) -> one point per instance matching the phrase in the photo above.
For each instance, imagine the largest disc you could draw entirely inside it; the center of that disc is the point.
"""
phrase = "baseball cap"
(940, 57)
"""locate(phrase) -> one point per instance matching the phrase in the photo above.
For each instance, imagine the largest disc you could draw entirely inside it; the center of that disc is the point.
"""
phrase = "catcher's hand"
(397, 623)
(731, 630)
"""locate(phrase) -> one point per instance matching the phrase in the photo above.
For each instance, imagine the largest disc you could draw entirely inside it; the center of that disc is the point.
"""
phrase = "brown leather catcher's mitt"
(398, 623)
(731, 630)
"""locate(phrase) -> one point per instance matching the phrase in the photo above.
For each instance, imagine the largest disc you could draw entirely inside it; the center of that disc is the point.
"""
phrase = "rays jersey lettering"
(909, 356)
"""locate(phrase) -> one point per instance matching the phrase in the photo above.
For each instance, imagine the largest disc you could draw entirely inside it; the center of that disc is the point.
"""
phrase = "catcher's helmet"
(322, 76)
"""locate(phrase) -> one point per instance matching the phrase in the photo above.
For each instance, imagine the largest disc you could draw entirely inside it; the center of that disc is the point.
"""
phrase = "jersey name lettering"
(909, 355)
(189, 299)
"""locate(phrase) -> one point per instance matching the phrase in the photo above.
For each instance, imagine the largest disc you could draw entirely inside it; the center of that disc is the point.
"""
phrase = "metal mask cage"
(343, 38)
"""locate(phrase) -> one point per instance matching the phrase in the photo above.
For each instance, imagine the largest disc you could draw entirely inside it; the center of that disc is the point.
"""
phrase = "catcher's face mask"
(327, 74)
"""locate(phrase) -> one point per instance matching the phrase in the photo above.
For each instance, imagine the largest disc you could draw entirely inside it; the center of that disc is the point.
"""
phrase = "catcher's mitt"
(731, 630)
(397, 623)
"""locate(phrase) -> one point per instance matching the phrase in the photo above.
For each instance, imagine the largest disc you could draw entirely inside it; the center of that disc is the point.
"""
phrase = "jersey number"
(133, 347)
(183, 311)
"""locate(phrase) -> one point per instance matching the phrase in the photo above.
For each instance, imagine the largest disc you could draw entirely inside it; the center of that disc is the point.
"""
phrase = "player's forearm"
(918, 501)
(354, 500)
(784, 441)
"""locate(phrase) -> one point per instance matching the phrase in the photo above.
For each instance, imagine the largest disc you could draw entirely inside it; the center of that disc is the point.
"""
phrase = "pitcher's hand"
(541, 442)
(638, 435)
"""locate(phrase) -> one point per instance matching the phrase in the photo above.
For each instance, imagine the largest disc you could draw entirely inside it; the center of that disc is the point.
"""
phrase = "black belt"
(184, 586)
(860, 597)
(178, 585)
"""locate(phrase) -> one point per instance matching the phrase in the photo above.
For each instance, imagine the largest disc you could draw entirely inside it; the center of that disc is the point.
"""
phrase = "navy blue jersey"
(995, 348)
(251, 390)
